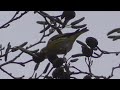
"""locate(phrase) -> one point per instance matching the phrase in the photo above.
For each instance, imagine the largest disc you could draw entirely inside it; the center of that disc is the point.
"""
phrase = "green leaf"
(114, 30)
(48, 65)
(78, 21)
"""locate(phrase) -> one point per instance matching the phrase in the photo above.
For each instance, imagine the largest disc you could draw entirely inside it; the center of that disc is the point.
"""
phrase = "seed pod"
(87, 51)
(65, 75)
(87, 77)
(46, 69)
(36, 66)
(79, 26)
(58, 62)
(42, 22)
(74, 60)
(68, 15)
(91, 42)
(77, 55)
(78, 21)
(114, 30)
(7, 51)
(58, 72)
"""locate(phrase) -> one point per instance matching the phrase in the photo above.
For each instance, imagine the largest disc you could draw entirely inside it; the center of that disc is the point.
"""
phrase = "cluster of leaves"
(61, 67)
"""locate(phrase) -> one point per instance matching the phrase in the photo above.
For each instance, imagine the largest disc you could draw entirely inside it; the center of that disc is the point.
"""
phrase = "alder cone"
(87, 51)
(91, 42)
(58, 72)
(87, 77)
(58, 62)
(68, 15)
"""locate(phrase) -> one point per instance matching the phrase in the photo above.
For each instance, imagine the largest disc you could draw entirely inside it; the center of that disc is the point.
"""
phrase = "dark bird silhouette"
(62, 43)
(58, 44)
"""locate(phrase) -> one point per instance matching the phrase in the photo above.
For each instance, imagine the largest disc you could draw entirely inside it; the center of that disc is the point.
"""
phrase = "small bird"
(67, 15)
(62, 43)
(58, 44)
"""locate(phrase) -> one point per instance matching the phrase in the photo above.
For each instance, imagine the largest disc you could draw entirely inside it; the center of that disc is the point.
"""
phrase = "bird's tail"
(77, 33)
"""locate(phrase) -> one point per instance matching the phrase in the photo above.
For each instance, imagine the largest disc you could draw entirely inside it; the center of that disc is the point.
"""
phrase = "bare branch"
(13, 19)
(112, 73)
(22, 63)
(11, 74)
(48, 73)
(82, 72)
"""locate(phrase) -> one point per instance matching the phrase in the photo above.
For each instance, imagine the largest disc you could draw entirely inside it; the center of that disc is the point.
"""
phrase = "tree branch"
(11, 74)
(13, 19)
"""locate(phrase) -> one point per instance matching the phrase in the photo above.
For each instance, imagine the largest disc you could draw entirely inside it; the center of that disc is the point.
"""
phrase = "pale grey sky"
(26, 29)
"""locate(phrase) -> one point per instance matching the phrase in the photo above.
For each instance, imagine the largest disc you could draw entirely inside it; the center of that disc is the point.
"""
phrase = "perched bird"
(58, 44)
(62, 43)
(67, 15)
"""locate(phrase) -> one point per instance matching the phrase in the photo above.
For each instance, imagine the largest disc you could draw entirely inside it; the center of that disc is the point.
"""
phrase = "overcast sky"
(25, 29)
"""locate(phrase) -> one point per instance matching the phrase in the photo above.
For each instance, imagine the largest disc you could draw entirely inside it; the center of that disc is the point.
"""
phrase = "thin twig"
(45, 16)
(11, 74)
(48, 72)
(81, 72)
(22, 63)
(113, 69)
(39, 76)
(13, 19)
(89, 64)
(11, 60)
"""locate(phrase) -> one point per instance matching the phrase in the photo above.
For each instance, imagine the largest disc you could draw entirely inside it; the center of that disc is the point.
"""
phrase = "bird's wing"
(60, 36)
(65, 35)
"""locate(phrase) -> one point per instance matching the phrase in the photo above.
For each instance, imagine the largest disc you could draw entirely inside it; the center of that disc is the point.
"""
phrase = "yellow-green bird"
(62, 43)
(59, 44)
